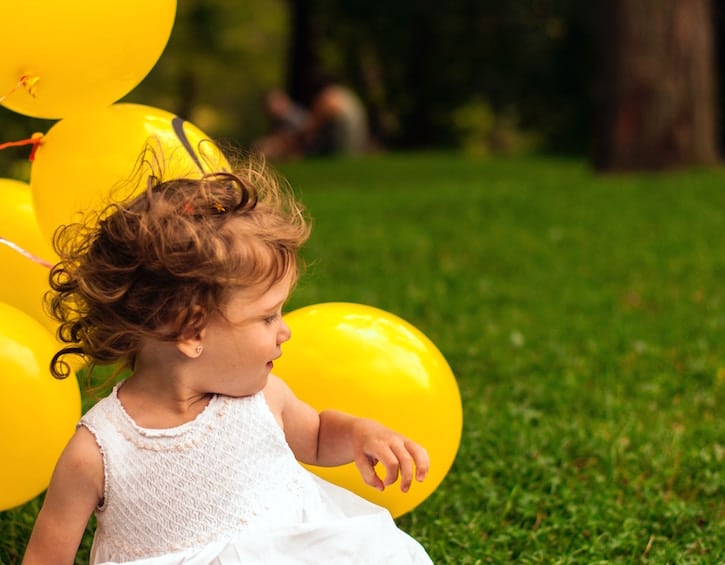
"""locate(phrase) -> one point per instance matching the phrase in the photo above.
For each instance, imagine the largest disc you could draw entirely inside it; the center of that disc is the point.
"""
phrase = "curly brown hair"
(160, 264)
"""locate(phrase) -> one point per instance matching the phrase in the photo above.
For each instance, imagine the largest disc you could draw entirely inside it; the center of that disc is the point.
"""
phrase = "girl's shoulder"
(81, 463)
(277, 394)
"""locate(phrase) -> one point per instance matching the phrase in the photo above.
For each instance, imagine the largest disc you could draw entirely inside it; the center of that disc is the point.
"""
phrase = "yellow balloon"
(24, 254)
(86, 160)
(38, 413)
(371, 363)
(74, 55)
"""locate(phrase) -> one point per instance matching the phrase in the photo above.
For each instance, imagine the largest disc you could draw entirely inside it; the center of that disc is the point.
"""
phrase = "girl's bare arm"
(335, 438)
(75, 490)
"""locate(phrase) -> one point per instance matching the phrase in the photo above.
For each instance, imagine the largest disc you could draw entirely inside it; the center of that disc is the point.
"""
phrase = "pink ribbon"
(24, 253)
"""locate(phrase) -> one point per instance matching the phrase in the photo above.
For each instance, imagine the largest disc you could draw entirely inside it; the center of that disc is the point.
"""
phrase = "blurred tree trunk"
(302, 59)
(655, 98)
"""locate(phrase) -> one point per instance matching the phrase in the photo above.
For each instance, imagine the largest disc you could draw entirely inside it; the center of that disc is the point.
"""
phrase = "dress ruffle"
(339, 527)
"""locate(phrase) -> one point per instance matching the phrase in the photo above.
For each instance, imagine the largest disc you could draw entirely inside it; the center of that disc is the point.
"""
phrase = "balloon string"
(34, 140)
(24, 253)
(30, 82)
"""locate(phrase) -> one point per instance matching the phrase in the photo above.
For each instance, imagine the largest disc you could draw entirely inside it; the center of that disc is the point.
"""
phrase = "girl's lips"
(270, 363)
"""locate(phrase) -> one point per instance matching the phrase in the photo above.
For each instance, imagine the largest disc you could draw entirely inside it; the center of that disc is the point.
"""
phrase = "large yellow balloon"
(37, 412)
(75, 55)
(83, 158)
(371, 363)
(24, 253)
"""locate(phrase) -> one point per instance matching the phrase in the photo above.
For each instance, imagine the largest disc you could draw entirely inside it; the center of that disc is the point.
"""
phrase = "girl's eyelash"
(272, 317)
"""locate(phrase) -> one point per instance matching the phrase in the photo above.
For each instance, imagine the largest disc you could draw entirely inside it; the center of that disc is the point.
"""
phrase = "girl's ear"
(192, 346)
(190, 342)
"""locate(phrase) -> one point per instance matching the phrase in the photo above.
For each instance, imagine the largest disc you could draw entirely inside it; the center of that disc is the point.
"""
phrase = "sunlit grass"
(584, 318)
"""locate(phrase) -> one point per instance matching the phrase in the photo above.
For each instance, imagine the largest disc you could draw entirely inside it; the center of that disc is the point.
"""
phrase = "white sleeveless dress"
(224, 489)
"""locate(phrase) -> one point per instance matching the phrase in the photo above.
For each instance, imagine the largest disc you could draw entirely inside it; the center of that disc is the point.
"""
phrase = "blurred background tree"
(656, 90)
(483, 75)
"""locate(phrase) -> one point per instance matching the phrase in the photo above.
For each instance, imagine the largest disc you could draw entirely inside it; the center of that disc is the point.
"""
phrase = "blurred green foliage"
(220, 59)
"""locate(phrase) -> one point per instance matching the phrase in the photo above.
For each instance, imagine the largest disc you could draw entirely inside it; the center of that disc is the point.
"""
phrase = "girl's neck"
(160, 403)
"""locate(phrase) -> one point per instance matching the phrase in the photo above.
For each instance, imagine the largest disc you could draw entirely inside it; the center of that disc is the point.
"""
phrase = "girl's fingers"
(389, 460)
(399, 456)
(404, 464)
(421, 459)
(366, 466)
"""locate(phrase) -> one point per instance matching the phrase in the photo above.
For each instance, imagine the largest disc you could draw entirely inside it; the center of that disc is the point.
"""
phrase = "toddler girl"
(193, 458)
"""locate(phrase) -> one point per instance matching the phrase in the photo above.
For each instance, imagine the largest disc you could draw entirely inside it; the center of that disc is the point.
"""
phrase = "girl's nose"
(284, 332)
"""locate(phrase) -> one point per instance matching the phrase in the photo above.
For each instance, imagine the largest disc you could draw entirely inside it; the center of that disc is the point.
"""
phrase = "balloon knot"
(30, 82)
(34, 140)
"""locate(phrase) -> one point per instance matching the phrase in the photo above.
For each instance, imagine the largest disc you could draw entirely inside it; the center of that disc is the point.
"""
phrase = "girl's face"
(240, 347)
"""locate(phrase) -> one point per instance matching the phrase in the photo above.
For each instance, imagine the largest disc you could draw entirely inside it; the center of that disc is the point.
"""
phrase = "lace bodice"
(172, 489)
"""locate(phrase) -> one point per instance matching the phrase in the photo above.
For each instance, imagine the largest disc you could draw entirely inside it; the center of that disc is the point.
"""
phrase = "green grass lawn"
(584, 318)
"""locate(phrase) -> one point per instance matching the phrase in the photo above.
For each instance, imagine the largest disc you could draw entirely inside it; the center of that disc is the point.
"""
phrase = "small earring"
(199, 349)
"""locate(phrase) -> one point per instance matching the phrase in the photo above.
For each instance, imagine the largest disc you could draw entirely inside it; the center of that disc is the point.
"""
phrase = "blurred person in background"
(338, 123)
(287, 122)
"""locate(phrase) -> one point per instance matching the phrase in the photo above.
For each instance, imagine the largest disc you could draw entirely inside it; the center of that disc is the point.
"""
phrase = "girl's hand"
(373, 443)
